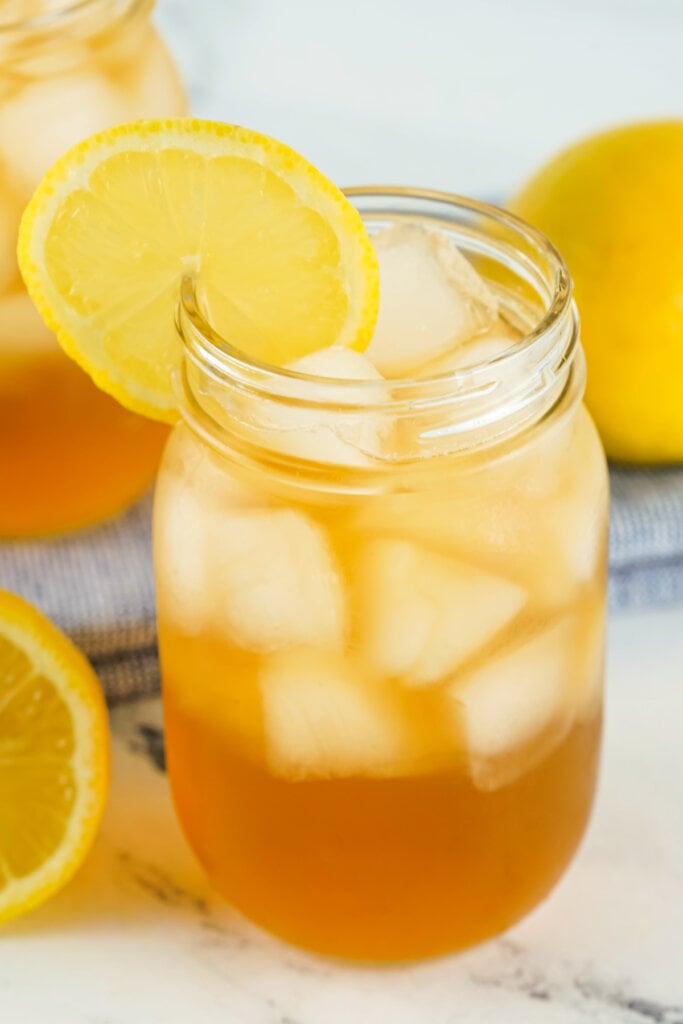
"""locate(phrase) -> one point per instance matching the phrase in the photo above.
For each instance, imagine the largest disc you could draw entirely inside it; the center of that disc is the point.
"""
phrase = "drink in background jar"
(69, 454)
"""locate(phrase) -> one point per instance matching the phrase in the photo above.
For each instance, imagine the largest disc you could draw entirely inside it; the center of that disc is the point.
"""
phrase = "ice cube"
(277, 582)
(262, 578)
(517, 706)
(9, 226)
(422, 615)
(590, 655)
(153, 82)
(524, 541)
(431, 300)
(335, 437)
(194, 495)
(548, 538)
(324, 719)
(336, 362)
(56, 113)
(219, 482)
(557, 487)
(580, 504)
(500, 338)
(184, 522)
(551, 510)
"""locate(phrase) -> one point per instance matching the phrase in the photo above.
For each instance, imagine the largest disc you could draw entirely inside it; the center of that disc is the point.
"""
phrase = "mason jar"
(69, 454)
(381, 618)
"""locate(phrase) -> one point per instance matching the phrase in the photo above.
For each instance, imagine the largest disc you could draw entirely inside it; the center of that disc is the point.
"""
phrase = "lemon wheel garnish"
(283, 259)
(613, 205)
(54, 757)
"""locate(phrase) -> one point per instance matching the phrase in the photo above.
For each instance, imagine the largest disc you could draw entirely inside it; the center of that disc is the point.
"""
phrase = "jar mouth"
(518, 384)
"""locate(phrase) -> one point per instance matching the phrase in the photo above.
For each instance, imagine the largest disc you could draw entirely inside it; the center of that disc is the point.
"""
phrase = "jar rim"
(562, 285)
(542, 359)
(218, 347)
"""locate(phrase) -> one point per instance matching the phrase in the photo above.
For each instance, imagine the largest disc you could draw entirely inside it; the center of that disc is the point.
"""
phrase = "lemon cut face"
(54, 757)
(283, 259)
(613, 206)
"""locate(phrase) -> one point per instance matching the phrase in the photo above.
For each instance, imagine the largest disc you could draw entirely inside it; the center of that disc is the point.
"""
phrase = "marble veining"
(155, 882)
(582, 989)
(513, 971)
(149, 740)
(139, 935)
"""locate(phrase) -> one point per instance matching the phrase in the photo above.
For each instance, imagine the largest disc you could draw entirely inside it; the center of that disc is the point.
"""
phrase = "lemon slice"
(283, 259)
(54, 757)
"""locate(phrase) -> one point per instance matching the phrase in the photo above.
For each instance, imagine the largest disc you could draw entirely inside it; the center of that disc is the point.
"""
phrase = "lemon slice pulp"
(285, 264)
(54, 757)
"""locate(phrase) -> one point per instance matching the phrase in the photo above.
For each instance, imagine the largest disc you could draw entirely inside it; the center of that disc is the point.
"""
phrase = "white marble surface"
(467, 96)
(139, 937)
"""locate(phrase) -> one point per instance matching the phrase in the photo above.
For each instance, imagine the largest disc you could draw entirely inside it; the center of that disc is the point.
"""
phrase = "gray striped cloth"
(646, 537)
(99, 585)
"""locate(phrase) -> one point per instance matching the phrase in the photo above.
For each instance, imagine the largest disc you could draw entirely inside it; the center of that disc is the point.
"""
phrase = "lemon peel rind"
(54, 655)
(209, 140)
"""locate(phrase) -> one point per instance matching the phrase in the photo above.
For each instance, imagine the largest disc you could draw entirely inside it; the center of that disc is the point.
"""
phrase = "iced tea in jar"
(381, 593)
(69, 454)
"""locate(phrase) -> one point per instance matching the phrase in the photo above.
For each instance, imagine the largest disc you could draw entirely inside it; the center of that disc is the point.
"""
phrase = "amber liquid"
(70, 456)
(474, 810)
(379, 869)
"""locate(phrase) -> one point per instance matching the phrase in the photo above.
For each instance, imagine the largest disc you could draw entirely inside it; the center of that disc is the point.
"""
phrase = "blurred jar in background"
(69, 455)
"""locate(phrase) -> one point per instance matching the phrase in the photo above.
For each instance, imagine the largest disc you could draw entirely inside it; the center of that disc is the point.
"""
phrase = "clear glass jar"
(381, 620)
(69, 454)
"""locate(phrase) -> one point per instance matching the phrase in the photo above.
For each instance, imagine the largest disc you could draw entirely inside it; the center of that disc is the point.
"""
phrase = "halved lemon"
(283, 259)
(54, 757)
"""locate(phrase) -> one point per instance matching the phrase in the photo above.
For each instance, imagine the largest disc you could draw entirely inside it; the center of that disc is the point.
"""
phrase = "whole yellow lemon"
(613, 206)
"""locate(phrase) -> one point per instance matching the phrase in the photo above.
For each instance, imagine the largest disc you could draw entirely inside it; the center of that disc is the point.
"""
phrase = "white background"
(467, 95)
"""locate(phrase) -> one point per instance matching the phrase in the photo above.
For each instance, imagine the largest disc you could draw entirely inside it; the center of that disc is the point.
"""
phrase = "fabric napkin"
(99, 586)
